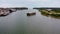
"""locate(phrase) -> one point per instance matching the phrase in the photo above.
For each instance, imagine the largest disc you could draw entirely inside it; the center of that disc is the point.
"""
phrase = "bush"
(56, 10)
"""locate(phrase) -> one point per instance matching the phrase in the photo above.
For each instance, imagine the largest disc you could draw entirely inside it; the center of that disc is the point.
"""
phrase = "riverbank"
(50, 13)
(6, 11)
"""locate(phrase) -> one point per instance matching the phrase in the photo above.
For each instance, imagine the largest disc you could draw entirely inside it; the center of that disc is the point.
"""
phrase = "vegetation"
(56, 10)
(53, 12)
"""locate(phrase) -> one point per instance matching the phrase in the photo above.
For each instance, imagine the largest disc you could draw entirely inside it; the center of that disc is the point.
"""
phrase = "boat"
(12, 10)
(30, 14)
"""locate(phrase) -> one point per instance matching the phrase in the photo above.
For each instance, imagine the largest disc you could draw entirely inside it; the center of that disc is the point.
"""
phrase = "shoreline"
(50, 13)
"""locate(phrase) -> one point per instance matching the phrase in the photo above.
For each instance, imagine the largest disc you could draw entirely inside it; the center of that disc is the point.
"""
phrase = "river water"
(19, 23)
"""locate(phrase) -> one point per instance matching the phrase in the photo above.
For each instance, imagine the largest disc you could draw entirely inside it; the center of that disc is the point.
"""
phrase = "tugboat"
(30, 14)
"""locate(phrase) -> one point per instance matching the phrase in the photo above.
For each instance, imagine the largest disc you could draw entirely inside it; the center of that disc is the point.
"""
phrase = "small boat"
(12, 10)
(30, 14)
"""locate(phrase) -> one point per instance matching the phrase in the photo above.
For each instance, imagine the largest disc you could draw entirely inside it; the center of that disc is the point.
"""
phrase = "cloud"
(30, 3)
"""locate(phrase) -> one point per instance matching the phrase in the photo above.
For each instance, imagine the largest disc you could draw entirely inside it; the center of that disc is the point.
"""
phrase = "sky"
(30, 3)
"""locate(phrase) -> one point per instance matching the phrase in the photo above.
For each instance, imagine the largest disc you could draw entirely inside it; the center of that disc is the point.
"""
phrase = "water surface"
(19, 23)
